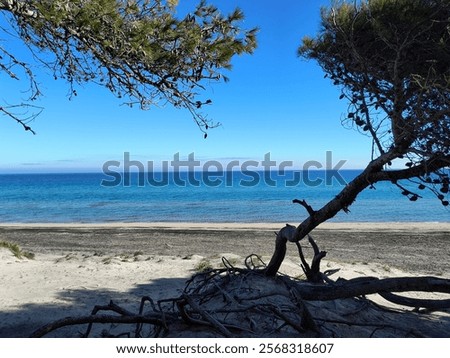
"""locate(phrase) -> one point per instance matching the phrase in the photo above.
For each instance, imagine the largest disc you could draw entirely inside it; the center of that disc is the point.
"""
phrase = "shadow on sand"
(80, 302)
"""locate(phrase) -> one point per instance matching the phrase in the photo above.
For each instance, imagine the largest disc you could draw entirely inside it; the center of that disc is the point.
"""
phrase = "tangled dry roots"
(246, 302)
(226, 302)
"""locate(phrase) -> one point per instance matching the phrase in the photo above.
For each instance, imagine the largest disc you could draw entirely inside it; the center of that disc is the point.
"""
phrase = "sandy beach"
(78, 266)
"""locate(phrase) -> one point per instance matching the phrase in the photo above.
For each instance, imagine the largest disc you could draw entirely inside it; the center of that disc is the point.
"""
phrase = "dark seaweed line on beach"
(426, 252)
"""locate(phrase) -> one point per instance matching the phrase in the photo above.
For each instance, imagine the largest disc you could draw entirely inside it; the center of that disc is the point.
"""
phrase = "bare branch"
(308, 207)
(22, 119)
(138, 50)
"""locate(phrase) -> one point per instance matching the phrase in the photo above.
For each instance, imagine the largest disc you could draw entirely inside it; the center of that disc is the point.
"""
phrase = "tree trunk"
(369, 285)
(285, 234)
(343, 200)
(373, 173)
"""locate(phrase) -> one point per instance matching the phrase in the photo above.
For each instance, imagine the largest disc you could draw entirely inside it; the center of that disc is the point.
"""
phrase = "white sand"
(50, 287)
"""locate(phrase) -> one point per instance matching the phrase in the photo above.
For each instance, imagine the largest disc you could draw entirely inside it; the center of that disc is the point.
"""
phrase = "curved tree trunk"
(343, 200)
(285, 234)
(370, 285)
(373, 173)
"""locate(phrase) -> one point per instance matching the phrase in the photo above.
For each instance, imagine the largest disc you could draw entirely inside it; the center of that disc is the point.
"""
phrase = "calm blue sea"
(232, 197)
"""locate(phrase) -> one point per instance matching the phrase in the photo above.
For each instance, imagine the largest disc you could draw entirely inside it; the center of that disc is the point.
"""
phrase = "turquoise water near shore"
(199, 197)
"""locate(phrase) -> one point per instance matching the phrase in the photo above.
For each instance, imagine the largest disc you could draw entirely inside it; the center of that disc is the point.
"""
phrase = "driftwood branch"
(370, 285)
(312, 272)
(71, 321)
(308, 207)
(207, 316)
(416, 302)
(285, 234)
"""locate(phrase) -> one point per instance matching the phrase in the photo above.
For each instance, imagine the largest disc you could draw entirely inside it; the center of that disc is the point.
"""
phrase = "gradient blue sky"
(275, 102)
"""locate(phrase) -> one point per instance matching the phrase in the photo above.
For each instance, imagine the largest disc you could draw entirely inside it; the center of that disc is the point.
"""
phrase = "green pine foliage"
(140, 50)
(391, 59)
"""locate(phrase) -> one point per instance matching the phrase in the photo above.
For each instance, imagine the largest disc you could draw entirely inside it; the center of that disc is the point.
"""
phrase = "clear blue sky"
(275, 102)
